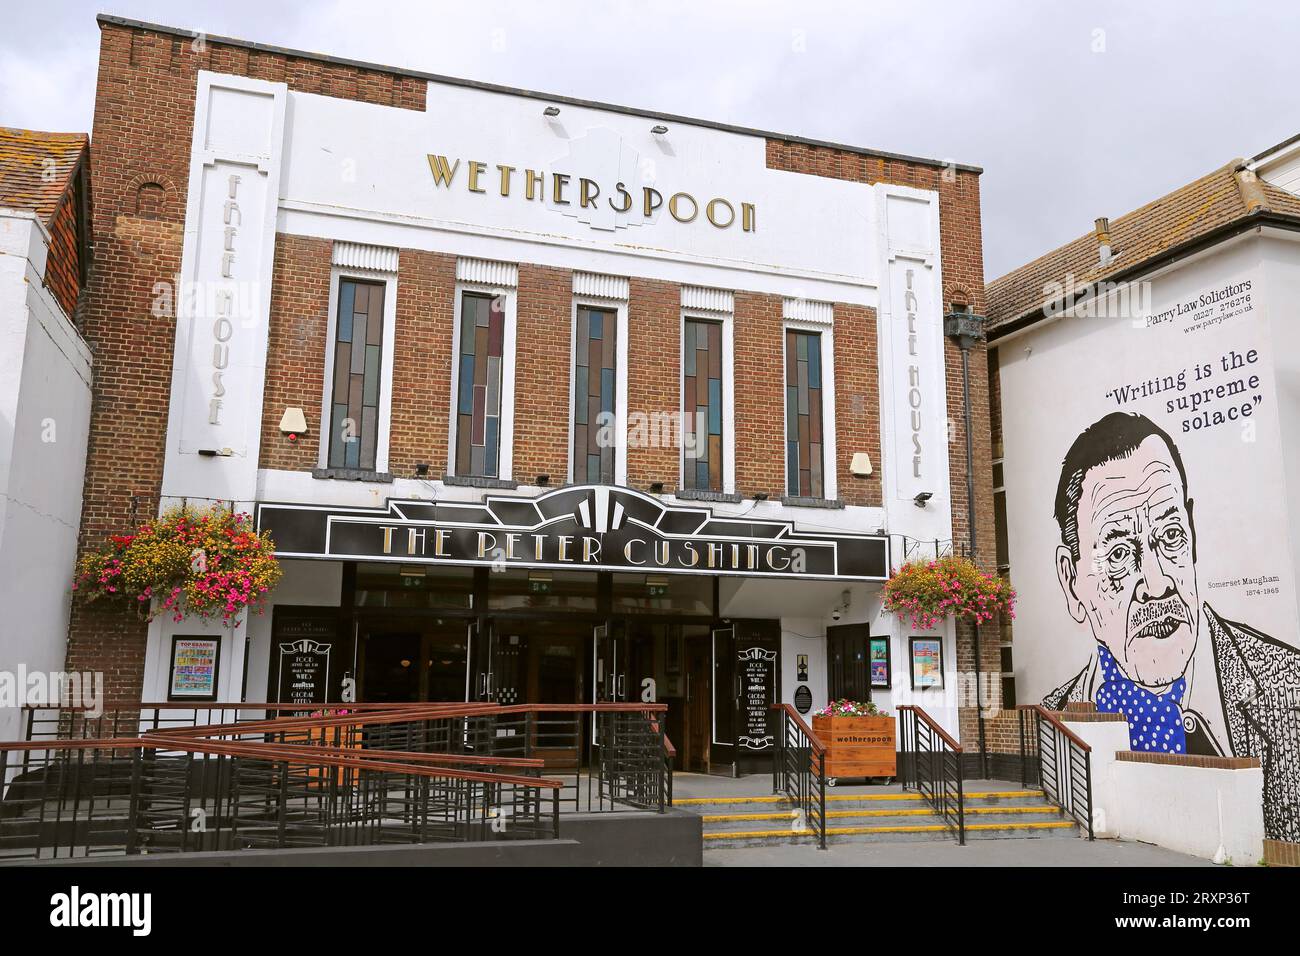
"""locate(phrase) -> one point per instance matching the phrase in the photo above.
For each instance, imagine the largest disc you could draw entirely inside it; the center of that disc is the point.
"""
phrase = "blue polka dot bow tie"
(1155, 721)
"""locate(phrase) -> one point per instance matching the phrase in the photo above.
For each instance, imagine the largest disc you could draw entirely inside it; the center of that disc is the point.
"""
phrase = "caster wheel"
(830, 781)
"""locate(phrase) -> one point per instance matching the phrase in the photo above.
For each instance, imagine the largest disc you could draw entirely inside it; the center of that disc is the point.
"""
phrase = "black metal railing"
(1056, 760)
(930, 764)
(799, 771)
(341, 777)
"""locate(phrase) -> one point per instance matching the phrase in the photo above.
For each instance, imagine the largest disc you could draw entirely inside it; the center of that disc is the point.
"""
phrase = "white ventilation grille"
(600, 287)
(805, 310)
(486, 272)
(354, 255)
(708, 300)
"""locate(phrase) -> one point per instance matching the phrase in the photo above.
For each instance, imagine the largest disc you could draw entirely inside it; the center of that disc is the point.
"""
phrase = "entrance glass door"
(416, 659)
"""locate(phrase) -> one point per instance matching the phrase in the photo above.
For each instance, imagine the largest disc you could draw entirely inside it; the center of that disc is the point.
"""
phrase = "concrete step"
(756, 820)
(879, 817)
(931, 829)
(864, 801)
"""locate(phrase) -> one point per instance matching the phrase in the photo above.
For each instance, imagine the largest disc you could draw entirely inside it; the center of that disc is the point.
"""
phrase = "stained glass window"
(803, 413)
(702, 406)
(478, 385)
(358, 342)
(594, 380)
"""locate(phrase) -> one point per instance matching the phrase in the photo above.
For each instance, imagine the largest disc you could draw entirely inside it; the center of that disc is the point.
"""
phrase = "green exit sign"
(539, 587)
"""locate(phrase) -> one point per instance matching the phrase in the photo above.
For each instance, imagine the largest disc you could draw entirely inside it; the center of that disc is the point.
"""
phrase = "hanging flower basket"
(209, 564)
(927, 592)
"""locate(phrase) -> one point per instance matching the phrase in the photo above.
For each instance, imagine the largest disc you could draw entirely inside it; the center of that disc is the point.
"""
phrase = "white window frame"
(389, 280)
(728, 322)
(830, 488)
(619, 308)
(506, 427)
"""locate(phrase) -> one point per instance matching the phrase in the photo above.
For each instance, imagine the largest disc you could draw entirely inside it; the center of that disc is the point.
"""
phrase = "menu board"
(305, 655)
(195, 662)
(757, 666)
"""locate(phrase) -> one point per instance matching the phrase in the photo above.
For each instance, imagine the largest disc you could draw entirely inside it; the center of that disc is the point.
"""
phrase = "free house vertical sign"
(224, 291)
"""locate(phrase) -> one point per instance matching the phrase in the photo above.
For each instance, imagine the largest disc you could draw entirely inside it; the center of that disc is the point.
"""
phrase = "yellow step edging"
(846, 831)
(779, 798)
(839, 814)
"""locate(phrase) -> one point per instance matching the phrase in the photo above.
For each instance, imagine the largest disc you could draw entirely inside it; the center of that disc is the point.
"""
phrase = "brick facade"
(142, 134)
(759, 351)
(542, 363)
(422, 357)
(654, 351)
(857, 402)
(295, 349)
(963, 277)
(144, 117)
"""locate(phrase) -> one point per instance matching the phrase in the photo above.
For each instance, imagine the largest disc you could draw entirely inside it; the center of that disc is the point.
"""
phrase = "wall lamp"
(659, 129)
(421, 469)
(543, 480)
(922, 498)
(760, 496)
(551, 111)
(656, 487)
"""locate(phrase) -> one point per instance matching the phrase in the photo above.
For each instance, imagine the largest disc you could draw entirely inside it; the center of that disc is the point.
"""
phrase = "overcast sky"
(1074, 110)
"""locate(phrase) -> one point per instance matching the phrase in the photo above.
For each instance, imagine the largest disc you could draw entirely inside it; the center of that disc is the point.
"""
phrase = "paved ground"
(760, 785)
(1112, 853)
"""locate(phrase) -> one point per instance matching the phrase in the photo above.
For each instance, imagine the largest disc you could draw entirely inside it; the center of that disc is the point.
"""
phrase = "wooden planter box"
(858, 746)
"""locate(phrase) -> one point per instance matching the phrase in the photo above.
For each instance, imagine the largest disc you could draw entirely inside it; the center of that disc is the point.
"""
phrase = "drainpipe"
(965, 330)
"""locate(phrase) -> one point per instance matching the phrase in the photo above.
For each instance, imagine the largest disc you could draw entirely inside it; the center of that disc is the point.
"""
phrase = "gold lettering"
(414, 537)
(648, 206)
(586, 196)
(476, 169)
(672, 207)
(505, 178)
(484, 537)
(748, 217)
(442, 173)
(565, 541)
(627, 198)
(534, 185)
(440, 542)
(695, 555)
(589, 553)
(772, 551)
(512, 539)
(388, 540)
(627, 551)
(558, 182)
(731, 212)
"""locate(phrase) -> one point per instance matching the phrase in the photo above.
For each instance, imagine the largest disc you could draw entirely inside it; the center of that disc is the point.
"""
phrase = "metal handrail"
(799, 769)
(932, 766)
(1063, 763)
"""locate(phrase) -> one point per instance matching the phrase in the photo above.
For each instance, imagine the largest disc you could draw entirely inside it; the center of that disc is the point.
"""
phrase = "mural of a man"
(1187, 680)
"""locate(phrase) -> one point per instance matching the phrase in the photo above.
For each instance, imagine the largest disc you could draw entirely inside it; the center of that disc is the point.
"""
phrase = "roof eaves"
(104, 18)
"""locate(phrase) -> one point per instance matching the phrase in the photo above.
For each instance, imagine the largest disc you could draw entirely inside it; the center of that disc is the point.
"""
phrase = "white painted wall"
(45, 377)
(1055, 379)
(1193, 810)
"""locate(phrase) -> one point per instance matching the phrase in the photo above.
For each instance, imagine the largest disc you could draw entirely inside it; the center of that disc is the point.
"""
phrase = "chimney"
(1103, 241)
